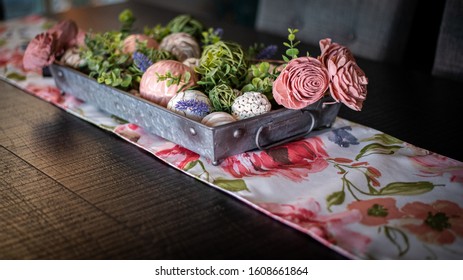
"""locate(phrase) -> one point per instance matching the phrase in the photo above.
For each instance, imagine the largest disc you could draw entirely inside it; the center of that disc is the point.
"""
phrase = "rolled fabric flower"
(302, 82)
(40, 52)
(65, 33)
(348, 82)
(329, 50)
(45, 47)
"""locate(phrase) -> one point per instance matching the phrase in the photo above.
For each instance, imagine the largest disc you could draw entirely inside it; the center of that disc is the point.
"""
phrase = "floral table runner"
(357, 190)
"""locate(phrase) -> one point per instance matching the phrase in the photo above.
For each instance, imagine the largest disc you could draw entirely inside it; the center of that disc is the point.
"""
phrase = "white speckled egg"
(192, 104)
(158, 91)
(182, 45)
(218, 118)
(250, 104)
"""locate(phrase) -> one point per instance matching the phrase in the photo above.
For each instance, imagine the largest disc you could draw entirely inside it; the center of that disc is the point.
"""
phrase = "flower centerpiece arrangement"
(191, 70)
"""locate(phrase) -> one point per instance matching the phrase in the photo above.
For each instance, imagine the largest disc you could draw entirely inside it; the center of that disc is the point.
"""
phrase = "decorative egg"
(191, 62)
(130, 43)
(158, 88)
(182, 45)
(192, 104)
(218, 118)
(250, 104)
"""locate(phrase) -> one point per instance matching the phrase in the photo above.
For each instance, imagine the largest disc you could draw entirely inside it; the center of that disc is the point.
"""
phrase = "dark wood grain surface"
(69, 190)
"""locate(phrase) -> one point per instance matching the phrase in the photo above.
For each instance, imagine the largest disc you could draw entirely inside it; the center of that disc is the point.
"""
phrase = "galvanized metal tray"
(216, 143)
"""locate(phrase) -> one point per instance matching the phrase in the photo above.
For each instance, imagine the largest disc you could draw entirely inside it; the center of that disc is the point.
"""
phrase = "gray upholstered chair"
(373, 29)
(448, 61)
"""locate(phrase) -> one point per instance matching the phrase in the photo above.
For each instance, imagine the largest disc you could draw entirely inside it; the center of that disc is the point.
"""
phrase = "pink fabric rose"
(45, 47)
(330, 50)
(65, 33)
(302, 82)
(348, 82)
(40, 52)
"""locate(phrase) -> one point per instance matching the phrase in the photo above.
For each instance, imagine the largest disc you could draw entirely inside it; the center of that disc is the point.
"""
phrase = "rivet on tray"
(192, 131)
(60, 74)
(238, 133)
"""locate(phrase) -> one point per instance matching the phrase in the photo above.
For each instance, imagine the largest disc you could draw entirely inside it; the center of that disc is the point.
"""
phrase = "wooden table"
(69, 190)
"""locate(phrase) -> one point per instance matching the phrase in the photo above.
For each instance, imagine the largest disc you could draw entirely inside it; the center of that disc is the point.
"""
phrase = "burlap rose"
(330, 50)
(348, 82)
(40, 52)
(302, 82)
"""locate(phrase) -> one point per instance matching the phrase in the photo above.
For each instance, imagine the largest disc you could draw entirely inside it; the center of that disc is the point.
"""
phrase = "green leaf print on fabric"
(16, 76)
(407, 188)
(336, 198)
(377, 148)
(233, 185)
(371, 186)
(383, 138)
(398, 238)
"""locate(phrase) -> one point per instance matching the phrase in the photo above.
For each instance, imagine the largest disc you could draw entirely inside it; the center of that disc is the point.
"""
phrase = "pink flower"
(330, 50)
(65, 33)
(48, 93)
(40, 52)
(377, 211)
(436, 165)
(293, 160)
(331, 228)
(302, 82)
(45, 47)
(178, 156)
(13, 58)
(348, 82)
(437, 223)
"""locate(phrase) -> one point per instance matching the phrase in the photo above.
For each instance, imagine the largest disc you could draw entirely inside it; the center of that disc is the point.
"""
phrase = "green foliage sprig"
(126, 18)
(187, 24)
(180, 23)
(253, 50)
(260, 79)
(154, 55)
(292, 52)
(175, 79)
(106, 62)
(157, 32)
(210, 36)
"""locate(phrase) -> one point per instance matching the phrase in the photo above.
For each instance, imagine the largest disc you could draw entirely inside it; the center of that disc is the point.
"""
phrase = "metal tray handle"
(302, 134)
